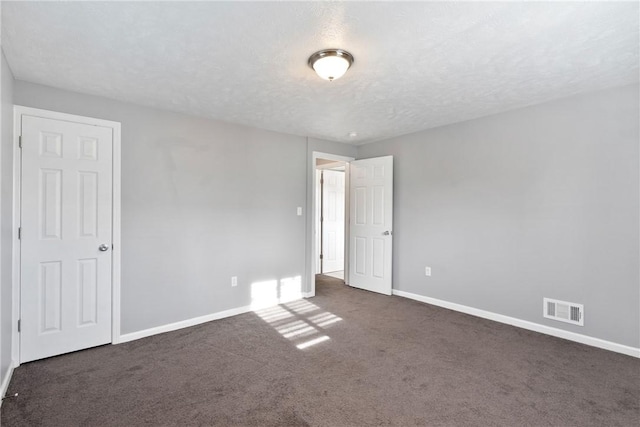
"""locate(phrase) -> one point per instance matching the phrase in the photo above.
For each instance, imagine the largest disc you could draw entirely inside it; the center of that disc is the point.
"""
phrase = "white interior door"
(318, 224)
(333, 221)
(66, 237)
(370, 233)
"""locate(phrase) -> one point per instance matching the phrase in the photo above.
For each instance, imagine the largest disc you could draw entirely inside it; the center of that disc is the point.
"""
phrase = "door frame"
(320, 196)
(18, 112)
(313, 253)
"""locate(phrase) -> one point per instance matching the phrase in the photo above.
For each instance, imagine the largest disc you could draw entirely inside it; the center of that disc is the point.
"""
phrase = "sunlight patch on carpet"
(297, 320)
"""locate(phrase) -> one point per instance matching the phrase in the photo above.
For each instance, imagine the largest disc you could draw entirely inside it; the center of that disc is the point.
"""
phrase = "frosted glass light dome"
(331, 64)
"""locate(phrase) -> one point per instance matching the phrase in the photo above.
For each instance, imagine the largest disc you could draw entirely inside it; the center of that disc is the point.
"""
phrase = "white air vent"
(563, 311)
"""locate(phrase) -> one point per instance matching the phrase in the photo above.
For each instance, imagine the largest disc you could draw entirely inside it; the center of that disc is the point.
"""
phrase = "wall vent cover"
(563, 311)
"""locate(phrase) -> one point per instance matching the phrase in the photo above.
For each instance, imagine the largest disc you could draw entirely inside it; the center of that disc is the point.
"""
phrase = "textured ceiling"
(417, 65)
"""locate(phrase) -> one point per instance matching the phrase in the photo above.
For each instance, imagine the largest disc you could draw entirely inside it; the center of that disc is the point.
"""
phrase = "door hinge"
(19, 233)
(19, 325)
(20, 141)
(321, 257)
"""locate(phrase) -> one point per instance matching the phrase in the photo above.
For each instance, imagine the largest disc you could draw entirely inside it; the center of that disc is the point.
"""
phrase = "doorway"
(314, 214)
(330, 217)
(368, 221)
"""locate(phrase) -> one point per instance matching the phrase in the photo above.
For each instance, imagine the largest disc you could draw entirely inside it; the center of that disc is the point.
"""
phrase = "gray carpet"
(376, 360)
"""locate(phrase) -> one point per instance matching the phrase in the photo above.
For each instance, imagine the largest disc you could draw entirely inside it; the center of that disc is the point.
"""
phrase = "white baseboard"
(308, 294)
(198, 320)
(183, 324)
(6, 380)
(524, 324)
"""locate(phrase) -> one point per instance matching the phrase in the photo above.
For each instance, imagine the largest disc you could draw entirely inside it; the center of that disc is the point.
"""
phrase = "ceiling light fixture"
(331, 64)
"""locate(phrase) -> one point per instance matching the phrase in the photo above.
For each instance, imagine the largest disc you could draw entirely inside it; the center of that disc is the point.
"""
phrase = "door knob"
(386, 233)
(103, 247)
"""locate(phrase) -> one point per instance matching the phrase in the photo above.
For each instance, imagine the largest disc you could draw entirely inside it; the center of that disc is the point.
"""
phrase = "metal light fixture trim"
(324, 63)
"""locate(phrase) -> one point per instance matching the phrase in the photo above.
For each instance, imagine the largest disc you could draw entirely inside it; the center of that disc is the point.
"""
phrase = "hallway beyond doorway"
(336, 274)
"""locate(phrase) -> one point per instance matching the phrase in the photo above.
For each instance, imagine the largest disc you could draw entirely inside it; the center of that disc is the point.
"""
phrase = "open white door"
(333, 221)
(66, 237)
(370, 233)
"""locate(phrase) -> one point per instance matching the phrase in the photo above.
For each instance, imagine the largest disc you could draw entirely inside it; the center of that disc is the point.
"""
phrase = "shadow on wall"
(297, 320)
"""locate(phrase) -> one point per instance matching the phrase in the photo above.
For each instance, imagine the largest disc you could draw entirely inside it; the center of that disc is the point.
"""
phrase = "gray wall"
(538, 202)
(202, 201)
(506, 209)
(331, 147)
(6, 213)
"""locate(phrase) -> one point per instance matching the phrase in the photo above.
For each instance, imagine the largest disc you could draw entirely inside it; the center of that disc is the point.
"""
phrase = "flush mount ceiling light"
(331, 64)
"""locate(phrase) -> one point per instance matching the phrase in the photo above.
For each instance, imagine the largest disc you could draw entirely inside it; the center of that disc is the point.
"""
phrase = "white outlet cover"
(299, 211)
(427, 271)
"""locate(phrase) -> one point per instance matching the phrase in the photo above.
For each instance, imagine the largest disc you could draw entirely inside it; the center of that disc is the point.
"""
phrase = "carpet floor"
(344, 358)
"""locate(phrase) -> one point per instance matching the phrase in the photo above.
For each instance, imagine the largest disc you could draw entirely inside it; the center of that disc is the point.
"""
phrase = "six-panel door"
(66, 216)
(371, 220)
(333, 221)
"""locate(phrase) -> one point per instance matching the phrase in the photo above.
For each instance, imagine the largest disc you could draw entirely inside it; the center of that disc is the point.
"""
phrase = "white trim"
(311, 216)
(15, 249)
(524, 324)
(184, 324)
(116, 256)
(338, 166)
(307, 295)
(6, 380)
(48, 114)
(18, 112)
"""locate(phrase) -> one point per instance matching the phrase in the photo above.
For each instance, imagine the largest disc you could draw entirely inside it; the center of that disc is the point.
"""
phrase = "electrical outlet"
(427, 271)
(234, 280)
(299, 211)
